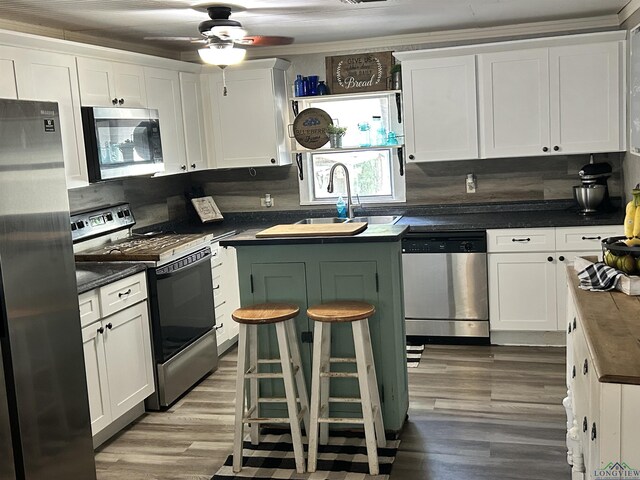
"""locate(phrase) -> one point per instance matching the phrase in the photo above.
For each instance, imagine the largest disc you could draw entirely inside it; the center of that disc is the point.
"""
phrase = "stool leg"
(301, 386)
(325, 366)
(365, 395)
(240, 398)
(314, 408)
(290, 393)
(254, 383)
(373, 386)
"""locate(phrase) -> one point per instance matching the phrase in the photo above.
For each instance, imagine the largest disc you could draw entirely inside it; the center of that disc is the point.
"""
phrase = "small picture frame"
(207, 209)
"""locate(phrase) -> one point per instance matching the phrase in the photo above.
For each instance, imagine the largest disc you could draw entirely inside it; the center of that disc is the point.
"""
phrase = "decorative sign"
(310, 127)
(359, 72)
(207, 209)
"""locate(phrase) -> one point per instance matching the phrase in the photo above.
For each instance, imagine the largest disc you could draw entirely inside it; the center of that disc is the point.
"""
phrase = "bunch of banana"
(632, 219)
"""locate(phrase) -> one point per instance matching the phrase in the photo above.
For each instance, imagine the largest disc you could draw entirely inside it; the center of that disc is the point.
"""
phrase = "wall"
(631, 163)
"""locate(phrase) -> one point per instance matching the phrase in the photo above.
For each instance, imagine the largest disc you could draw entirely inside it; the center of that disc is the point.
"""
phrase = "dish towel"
(598, 277)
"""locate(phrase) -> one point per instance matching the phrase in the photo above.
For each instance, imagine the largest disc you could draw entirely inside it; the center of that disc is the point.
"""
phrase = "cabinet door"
(247, 111)
(514, 103)
(129, 361)
(522, 291)
(96, 371)
(440, 108)
(53, 77)
(96, 79)
(129, 84)
(231, 286)
(564, 259)
(163, 94)
(586, 113)
(7, 76)
(193, 121)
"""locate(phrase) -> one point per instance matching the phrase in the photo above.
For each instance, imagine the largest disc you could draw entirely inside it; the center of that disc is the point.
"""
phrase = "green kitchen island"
(311, 270)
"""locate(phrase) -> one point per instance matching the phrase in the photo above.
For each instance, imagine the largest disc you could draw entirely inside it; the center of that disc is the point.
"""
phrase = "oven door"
(181, 303)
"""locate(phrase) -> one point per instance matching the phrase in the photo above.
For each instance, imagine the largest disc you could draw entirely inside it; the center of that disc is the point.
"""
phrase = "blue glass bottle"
(297, 86)
(322, 88)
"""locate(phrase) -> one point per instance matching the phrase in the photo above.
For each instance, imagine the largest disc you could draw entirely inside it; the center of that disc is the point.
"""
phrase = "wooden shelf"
(349, 149)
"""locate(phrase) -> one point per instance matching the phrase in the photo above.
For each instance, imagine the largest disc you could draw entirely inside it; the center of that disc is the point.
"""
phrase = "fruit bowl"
(619, 255)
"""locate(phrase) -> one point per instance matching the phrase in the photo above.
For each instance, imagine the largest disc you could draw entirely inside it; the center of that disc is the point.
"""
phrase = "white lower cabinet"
(118, 359)
(7, 78)
(226, 294)
(527, 285)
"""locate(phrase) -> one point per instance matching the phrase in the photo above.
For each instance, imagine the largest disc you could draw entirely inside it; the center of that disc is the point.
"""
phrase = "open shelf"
(348, 149)
(345, 96)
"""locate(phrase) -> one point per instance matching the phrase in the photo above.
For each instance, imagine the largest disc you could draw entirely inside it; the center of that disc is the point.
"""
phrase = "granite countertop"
(612, 331)
(373, 233)
(91, 275)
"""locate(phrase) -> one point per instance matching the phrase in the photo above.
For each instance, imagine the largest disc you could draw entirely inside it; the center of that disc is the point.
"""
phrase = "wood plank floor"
(476, 413)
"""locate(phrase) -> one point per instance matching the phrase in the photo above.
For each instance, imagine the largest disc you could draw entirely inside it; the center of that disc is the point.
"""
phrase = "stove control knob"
(120, 214)
(127, 213)
(80, 224)
(109, 217)
(467, 246)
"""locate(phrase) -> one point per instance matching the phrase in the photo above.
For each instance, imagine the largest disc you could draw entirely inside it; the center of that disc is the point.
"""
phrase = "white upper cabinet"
(104, 83)
(8, 87)
(514, 103)
(440, 108)
(193, 121)
(163, 94)
(585, 98)
(53, 77)
(247, 125)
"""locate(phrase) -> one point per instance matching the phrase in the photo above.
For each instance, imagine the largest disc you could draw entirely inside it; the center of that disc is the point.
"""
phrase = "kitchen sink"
(377, 219)
(314, 221)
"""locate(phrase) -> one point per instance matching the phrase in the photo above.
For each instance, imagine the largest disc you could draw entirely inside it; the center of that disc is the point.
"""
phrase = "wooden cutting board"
(317, 230)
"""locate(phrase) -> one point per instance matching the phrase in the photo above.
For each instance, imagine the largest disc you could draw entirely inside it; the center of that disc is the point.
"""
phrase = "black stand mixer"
(593, 194)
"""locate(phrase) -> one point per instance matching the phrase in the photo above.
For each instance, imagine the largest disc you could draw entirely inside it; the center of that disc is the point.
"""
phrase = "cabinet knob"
(585, 367)
(114, 101)
(593, 431)
(183, 167)
(193, 165)
(556, 148)
(273, 160)
(121, 101)
(412, 157)
(101, 330)
(549, 259)
(545, 149)
(561, 258)
(109, 325)
(585, 424)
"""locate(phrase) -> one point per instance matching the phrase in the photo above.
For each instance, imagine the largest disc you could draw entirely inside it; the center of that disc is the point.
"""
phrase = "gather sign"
(358, 72)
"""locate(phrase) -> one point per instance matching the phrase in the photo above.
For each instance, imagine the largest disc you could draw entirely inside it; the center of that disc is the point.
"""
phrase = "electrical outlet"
(470, 183)
(267, 201)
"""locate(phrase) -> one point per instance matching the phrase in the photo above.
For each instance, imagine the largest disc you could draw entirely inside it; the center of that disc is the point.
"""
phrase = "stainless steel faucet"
(330, 186)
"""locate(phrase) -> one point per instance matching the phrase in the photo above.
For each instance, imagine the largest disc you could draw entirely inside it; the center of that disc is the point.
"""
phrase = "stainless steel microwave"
(121, 142)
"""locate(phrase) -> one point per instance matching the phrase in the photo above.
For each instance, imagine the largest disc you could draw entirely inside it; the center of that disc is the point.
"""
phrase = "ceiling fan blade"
(264, 41)
(177, 39)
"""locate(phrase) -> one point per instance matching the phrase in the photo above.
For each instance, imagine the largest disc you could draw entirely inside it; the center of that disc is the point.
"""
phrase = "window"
(374, 171)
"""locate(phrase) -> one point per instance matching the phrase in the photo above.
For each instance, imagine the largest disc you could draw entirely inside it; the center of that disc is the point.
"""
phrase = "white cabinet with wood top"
(117, 350)
(246, 124)
(105, 84)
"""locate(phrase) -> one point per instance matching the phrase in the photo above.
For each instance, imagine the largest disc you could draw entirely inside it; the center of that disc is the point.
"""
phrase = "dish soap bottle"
(341, 207)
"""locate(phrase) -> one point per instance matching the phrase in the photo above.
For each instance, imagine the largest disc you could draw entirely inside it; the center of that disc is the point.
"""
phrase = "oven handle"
(206, 258)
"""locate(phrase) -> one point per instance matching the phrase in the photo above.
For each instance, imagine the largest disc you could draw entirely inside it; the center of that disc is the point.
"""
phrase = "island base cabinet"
(309, 275)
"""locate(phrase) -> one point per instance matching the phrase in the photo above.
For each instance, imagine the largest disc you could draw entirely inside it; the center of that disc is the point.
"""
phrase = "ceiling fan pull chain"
(224, 84)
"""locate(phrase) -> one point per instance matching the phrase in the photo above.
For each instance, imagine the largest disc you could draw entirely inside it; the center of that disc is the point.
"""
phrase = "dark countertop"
(373, 233)
(90, 275)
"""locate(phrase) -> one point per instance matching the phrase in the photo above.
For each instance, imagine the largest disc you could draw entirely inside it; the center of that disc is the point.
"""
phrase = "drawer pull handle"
(520, 239)
(575, 325)
(218, 327)
(569, 329)
(109, 325)
(573, 372)
(593, 431)
(585, 367)
(585, 424)
(124, 294)
(216, 288)
(592, 238)
(101, 330)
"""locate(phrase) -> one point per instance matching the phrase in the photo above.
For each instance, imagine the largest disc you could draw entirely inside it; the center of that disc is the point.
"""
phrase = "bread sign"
(359, 72)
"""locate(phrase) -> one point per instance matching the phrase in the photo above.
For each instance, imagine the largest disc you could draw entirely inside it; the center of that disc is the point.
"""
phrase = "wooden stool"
(282, 315)
(358, 314)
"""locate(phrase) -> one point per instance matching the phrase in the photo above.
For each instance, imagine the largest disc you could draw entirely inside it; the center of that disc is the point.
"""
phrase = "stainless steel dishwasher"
(445, 284)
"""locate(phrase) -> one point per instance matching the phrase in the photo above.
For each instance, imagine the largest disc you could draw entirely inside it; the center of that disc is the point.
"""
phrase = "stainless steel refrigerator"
(45, 430)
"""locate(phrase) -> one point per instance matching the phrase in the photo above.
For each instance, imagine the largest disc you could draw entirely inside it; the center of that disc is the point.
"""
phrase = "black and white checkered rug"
(414, 353)
(344, 458)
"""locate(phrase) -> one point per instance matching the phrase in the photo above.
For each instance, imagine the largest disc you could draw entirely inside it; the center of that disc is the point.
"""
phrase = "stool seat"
(263, 313)
(344, 311)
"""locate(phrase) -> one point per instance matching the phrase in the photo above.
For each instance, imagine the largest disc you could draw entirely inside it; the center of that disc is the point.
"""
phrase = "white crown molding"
(444, 36)
(628, 10)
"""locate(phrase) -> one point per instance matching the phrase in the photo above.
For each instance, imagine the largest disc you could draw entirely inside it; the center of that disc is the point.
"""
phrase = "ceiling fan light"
(222, 56)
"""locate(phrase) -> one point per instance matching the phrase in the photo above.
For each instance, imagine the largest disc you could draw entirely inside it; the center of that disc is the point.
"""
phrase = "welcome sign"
(358, 72)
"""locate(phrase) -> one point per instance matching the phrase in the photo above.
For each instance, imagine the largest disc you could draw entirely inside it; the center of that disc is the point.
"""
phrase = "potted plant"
(335, 134)
(395, 73)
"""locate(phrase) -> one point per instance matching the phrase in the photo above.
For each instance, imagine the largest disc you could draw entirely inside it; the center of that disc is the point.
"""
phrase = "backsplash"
(161, 199)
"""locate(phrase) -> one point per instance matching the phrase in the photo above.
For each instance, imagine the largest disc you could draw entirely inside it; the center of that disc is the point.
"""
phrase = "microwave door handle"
(206, 258)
